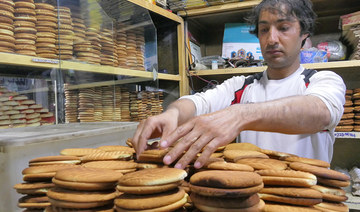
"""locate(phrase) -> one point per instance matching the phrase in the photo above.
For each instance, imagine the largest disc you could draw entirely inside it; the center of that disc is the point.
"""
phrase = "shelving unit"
(36, 62)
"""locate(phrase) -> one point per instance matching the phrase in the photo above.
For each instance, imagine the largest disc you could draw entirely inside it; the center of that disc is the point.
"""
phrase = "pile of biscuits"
(46, 35)
(16, 110)
(37, 180)
(154, 189)
(237, 177)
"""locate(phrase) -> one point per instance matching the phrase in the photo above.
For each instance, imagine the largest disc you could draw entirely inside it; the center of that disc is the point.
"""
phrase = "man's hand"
(206, 132)
(153, 127)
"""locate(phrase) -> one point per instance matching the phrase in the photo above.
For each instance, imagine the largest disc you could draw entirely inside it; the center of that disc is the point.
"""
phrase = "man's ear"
(304, 37)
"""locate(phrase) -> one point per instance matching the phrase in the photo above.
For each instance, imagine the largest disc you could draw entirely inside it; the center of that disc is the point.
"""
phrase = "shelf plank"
(158, 10)
(219, 8)
(338, 65)
(37, 62)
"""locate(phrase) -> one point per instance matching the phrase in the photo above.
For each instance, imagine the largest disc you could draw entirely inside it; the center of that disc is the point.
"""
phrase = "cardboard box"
(239, 43)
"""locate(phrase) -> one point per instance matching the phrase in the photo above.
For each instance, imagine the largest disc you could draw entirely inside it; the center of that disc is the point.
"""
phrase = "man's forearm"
(184, 109)
(292, 115)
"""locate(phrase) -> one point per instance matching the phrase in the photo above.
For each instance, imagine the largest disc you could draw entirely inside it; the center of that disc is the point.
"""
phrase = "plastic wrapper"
(313, 55)
(335, 50)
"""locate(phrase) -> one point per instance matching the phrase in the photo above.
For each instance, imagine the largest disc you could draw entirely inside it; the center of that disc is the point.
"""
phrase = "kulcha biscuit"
(89, 179)
(287, 178)
(52, 160)
(291, 195)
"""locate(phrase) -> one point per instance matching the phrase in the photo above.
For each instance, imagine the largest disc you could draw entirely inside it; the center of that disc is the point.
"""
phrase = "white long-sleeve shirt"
(326, 85)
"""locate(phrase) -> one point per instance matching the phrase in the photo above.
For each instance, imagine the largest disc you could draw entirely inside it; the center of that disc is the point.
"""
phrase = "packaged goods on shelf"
(239, 43)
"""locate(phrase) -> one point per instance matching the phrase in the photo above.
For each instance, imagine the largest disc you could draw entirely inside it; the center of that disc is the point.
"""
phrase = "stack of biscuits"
(117, 103)
(151, 190)
(83, 188)
(135, 105)
(329, 182)
(107, 99)
(220, 190)
(125, 105)
(37, 183)
(131, 61)
(17, 110)
(25, 30)
(65, 38)
(86, 105)
(93, 36)
(108, 48)
(98, 105)
(140, 49)
(346, 123)
(121, 41)
(46, 30)
(7, 40)
(71, 104)
(356, 101)
(79, 30)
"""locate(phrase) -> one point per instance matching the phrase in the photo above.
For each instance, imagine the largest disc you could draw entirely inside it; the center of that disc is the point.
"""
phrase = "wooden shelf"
(219, 8)
(335, 66)
(158, 10)
(36, 62)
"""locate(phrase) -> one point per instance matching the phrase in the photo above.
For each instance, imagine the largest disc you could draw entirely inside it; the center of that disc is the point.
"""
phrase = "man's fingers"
(206, 153)
(192, 152)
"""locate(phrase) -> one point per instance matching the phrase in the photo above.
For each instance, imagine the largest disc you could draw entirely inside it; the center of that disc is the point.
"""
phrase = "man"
(286, 108)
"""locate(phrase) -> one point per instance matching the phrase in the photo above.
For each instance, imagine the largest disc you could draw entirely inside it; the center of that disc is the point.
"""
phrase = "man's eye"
(284, 28)
(263, 30)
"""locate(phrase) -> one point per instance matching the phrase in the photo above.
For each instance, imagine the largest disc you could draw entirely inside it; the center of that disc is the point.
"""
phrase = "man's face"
(280, 39)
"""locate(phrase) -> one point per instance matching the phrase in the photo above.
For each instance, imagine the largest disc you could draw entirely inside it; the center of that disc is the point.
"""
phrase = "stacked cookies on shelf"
(7, 39)
(346, 123)
(65, 38)
(46, 30)
(356, 101)
(16, 110)
(25, 32)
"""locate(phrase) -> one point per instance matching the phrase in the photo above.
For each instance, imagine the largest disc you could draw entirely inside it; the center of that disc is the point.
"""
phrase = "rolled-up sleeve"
(217, 98)
(330, 88)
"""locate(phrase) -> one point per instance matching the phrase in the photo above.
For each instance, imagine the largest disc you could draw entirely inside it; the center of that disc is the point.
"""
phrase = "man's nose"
(273, 37)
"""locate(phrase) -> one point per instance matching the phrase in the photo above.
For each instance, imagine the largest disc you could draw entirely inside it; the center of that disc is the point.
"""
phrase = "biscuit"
(77, 199)
(236, 154)
(149, 202)
(5, 19)
(44, 6)
(115, 155)
(331, 194)
(170, 207)
(263, 163)
(310, 161)
(24, 11)
(319, 171)
(222, 165)
(289, 195)
(23, 4)
(332, 206)
(7, 38)
(50, 160)
(285, 208)
(156, 176)
(79, 151)
(33, 188)
(226, 192)
(7, 7)
(287, 178)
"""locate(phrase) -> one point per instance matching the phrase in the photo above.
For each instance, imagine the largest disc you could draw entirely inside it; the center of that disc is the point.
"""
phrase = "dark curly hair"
(300, 9)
